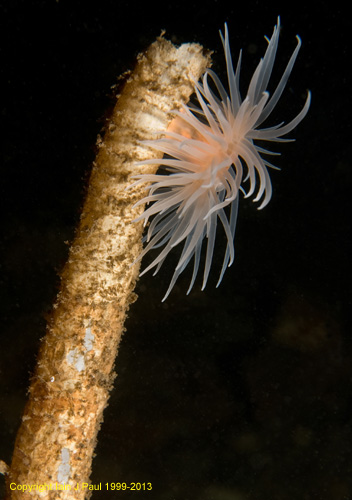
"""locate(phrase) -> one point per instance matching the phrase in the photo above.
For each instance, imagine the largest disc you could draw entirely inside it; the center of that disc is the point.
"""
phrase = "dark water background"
(238, 393)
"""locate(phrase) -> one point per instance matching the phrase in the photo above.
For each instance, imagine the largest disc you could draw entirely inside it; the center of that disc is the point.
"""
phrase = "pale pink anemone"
(206, 169)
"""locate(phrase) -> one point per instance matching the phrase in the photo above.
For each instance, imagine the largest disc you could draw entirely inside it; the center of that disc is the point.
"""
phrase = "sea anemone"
(207, 151)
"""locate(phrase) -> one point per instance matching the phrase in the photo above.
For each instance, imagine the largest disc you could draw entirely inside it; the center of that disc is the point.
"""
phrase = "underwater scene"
(237, 390)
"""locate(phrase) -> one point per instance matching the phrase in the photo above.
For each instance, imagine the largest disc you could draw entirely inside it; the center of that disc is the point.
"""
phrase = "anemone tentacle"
(206, 170)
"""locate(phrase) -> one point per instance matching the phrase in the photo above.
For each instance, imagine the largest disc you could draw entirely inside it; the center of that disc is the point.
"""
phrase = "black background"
(241, 392)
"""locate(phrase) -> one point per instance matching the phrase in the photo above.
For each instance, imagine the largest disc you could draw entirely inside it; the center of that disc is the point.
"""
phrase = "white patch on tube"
(75, 359)
(63, 473)
(88, 339)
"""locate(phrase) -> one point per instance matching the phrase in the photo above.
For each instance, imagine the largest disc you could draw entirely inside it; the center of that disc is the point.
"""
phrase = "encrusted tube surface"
(75, 371)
